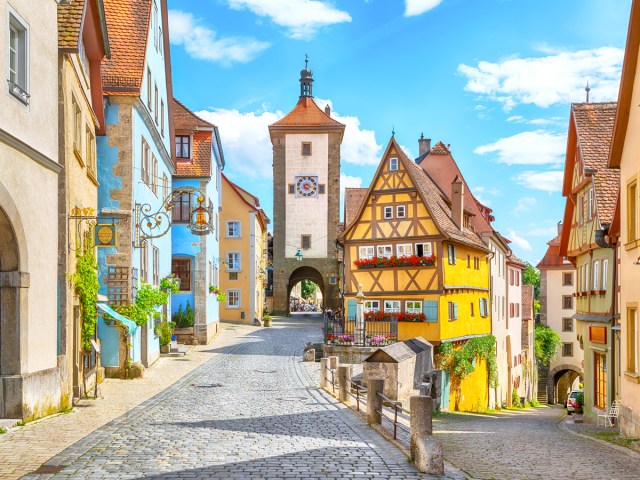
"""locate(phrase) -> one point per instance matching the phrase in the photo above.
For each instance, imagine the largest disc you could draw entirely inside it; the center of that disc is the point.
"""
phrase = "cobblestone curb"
(632, 453)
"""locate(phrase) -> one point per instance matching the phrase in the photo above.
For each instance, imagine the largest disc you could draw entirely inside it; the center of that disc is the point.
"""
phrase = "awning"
(130, 324)
(592, 318)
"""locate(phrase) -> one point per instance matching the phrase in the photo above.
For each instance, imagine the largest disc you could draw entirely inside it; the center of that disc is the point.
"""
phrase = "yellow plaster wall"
(465, 324)
(474, 390)
(460, 274)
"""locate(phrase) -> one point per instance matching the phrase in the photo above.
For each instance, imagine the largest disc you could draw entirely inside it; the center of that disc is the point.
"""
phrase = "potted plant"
(266, 319)
(164, 330)
(579, 410)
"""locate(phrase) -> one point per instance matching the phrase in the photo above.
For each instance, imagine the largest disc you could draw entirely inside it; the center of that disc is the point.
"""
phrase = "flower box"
(393, 261)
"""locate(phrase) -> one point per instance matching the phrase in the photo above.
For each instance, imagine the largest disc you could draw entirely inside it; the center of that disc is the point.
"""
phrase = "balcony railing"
(340, 331)
(18, 92)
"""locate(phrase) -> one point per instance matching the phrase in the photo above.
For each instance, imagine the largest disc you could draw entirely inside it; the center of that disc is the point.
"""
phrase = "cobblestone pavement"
(251, 413)
(529, 444)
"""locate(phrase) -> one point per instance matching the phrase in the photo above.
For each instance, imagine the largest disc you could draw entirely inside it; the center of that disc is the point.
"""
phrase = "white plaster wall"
(555, 292)
(498, 318)
(307, 216)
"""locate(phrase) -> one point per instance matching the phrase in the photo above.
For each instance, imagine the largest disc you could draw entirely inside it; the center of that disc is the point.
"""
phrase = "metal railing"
(396, 407)
(374, 333)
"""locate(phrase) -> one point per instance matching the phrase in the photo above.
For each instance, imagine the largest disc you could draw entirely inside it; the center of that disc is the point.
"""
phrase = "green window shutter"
(352, 307)
(455, 310)
(430, 308)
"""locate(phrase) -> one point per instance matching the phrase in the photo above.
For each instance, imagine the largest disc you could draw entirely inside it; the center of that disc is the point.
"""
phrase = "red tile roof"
(69, 24)
(553, 259)
(594, 126)
(439, 149)
(185, 120)
(353, 199)
(307, 114)
(128, 25)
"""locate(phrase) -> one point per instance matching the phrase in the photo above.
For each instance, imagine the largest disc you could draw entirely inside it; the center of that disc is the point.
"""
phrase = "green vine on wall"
(87, 285)
(460, 362)
(148, 299)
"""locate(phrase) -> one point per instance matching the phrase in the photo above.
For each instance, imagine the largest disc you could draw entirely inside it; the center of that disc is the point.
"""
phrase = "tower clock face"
(306, 186)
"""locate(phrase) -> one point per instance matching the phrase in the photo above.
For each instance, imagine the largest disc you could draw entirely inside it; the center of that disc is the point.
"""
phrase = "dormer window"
(183, 146)
(393, 164)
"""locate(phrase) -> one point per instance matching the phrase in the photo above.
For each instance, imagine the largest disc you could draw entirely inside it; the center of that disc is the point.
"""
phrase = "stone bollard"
(374, 402)
(309, 355)
(425, 450)
(324, 365)
(333, 363)
(344, 381)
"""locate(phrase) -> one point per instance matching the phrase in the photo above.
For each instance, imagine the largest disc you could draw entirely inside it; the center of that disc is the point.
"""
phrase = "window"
(149, 88)
(605, 272)
(233, 275)
(91, 153)
(453, 310)
(384, 251)
(632, 340)
(468, 261)
(306, 149)
(567, 302)
(600, 380)
(517, 278)
(632, 212)
(233, 229)
(154, 24)
(590, 204)
(77, 129)
(183, 146)
(372, 305)
(512, 310)
(510, 277)
(431, 310)
(165, 185)
(306, 242)
(292, 188)
(567, 279)
(567, 324)
(162, 117)
(365, 252)
(181, 268)
(233, 261)
(472, 309)
(404, 249)
(155, 104)
(484, 307)
(156, 266)
(233, 298)
(401, 211)
(321, 188)
(451, 251)
(567, 349)
(154, 174)
(182, 208)
(596, 275)
(18, 58)
(423, 249)
(393, 164)
(144, 261)
(476, 263)
(388, 212)
(412, 306)
(392, 306)
(145, 161)
(586, 276)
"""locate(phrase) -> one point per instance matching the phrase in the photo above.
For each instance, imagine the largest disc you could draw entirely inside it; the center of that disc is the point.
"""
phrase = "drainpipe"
(342, 277)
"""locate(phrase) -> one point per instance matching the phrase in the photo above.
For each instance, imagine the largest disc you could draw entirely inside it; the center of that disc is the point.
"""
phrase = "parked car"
(572, 401)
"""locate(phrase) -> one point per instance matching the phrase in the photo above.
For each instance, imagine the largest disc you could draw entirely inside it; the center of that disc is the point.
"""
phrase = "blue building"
(199, 162)
(134, 171)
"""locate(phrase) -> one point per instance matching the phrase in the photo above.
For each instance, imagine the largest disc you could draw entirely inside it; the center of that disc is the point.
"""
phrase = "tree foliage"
(308, 288)
(148, 299)
(548, 342)
(87, 285)
(531, 276)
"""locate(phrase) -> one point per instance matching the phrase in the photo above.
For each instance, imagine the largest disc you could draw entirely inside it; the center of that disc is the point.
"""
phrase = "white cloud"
(480, 194)
(302, 18)
(200, 42)
(524, 204)
(546, 181)
(548, 232)
(536, 121)
(558, 77)
(518, 241)
(418, 7)
(527, 148)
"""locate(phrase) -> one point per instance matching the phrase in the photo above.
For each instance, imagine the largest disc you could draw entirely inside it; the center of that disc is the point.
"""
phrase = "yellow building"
(243, 247)
(625, 151)
(411, 247)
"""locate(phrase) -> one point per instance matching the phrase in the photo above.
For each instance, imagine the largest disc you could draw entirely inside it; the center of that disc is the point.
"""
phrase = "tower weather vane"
(306, 60)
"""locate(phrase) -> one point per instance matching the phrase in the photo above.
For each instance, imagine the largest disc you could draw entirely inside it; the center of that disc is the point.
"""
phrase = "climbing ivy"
(148, 299)
(459, 362)
(87, 285)
(548, 342)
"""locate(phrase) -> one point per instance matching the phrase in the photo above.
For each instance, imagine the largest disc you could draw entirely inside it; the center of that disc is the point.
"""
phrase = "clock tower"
(306, 198)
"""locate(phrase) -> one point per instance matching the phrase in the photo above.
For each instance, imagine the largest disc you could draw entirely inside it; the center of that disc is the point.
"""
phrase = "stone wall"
(629, 422)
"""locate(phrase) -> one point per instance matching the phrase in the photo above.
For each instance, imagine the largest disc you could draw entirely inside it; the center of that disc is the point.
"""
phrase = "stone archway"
(305, 273)
(560, 378)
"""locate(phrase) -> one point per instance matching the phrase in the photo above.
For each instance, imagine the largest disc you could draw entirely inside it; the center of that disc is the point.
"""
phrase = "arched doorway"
(309, 274)
(562, 380)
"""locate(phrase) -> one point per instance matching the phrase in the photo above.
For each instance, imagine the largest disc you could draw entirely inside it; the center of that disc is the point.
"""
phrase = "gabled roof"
(186, 120)
(553, 259)
(71, 17)
(435, 200)
(353, 200)
(249, 199)
(440, 149)
(128, 24)
(306, 113)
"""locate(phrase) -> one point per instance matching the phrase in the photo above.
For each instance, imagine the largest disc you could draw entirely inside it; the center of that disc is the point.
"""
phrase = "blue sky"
(493, 78)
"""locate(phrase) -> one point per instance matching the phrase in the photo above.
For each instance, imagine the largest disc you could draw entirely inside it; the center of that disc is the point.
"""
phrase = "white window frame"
(90, 141)
(403, 249)
(77, 126)
(451, 254)
(424, 247)
(16, 23)
(587, 277)
(605, 272)
(393, 164)
(149, 88)
(596, 274)
(387, 212)
(401, 211)
(366, 252)
(392, 306)
(238, 264)
(416, 308)
(590, 204)
(146, 151)
(371, 306)
(384, 251)
(239, 233)
(231, 292)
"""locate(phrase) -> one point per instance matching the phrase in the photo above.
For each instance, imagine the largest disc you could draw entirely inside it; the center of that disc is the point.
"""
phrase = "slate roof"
(306, 113)
(594, 126)
(353, 199)
(128, 25)
(69, 24)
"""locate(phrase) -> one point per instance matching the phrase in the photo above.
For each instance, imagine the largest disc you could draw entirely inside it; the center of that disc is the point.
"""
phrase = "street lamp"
(299, 255)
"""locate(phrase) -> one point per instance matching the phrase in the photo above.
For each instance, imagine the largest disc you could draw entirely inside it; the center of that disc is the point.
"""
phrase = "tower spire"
(587, 89)
(306, 79)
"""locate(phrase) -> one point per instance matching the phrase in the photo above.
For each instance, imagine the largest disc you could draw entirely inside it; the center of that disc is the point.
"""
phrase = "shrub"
(164, 330)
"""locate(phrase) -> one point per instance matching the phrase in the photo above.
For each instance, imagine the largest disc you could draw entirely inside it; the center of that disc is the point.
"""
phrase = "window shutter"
(455, 310)
(352, 306)
(431, 310)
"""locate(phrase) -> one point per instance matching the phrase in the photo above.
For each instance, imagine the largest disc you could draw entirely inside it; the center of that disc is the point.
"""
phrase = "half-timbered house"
(411, 247)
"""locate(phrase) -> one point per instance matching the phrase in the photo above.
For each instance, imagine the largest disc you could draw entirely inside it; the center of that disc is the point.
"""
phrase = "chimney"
(457, 202)
(559, 228)
(327, 110)
(424, 145)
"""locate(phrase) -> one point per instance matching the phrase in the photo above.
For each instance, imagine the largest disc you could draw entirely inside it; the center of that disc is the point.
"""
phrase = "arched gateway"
(560, 380)
(306, 198)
